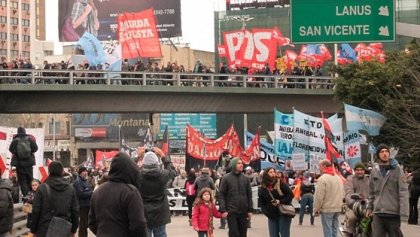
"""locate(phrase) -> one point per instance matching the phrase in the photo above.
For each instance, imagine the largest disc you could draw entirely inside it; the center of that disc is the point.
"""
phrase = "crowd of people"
(130, 201)
(131, 74)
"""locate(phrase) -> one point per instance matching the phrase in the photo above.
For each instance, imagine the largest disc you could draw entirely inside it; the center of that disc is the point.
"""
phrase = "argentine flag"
(363, 119)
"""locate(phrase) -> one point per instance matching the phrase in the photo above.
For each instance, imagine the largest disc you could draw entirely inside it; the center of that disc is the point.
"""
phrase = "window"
(15, 5)
(3, 19)
(14, 37)
(26, 38)
(25, 6)
(51, 127)
(14, 21)
(3, 35)
(48, 52)
(14, 53)
(3, 51)
(3, 3)
(26, 54)
(25, 22)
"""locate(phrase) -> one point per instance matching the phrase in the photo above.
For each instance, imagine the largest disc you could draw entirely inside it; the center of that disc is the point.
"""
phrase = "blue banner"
(94, 52)
(363, 119)
(268, 158)
(283, 130)
(204, 123)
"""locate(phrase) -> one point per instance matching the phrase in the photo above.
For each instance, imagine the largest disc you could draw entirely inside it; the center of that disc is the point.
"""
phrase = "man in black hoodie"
(6, 206)
(116, 207)
(84, 192)
(63, 202)
(235, 199)
(23, 164)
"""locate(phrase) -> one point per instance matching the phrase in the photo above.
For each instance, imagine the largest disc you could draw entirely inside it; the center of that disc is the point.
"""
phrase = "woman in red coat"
(203, 211)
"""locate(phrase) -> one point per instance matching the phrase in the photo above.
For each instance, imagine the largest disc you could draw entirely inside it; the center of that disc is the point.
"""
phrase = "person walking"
(307, 190)
(235, 198)
(388, 195)
(272, 193)
(155, 173)
(23, 148)
(204, 180)
(116, 207)
(203, 212)
(414, 197)
(356, 188)
(328, 200)
(84, 191)
(190, 193)
(56, 195)
(6, 206)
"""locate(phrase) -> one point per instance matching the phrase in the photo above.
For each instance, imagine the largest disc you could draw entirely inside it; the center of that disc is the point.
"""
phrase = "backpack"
(24, 150)
(189, 189)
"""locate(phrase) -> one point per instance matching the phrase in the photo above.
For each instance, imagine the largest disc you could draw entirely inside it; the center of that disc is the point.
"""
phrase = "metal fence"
(48, 77)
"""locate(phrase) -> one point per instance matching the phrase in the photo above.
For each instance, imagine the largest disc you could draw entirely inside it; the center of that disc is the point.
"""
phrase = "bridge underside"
(157, 99)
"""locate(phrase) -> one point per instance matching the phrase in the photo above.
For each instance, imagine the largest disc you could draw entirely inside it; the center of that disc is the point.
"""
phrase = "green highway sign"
(342, 21)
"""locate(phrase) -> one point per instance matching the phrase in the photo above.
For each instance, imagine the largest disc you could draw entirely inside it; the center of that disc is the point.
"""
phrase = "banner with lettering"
(352, 148)
(138, 35)
(308, 134)
(268, 158)
(283, 130)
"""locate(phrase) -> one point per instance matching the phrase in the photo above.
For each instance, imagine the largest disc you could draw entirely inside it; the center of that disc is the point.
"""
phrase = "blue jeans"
(306, 200)
(330, 224)
(280, 226)
(159, 231)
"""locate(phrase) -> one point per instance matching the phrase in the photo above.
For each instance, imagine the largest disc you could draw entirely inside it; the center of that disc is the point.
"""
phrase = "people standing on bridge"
(155, 173)
(388, 195)
(116, 207)
(23, 148)
(55, 197)
(272, 193)
(203, 212)
(6, 206)
(328, 198)
(235, 198)
(84, 191)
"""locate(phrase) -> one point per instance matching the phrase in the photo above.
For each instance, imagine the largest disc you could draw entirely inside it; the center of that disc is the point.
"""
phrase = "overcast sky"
(196, 18)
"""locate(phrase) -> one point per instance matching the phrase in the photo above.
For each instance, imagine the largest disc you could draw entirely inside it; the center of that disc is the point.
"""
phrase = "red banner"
(102, 157)
(138, 35)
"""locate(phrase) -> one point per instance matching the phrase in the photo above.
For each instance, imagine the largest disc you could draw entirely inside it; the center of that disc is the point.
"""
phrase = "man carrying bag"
(55, 210)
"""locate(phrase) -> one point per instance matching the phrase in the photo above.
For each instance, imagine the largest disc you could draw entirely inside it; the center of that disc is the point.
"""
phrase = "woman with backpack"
(190, 193)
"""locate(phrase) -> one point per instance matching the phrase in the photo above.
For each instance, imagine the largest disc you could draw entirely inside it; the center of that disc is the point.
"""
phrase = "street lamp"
(53, 124)
(243, 20)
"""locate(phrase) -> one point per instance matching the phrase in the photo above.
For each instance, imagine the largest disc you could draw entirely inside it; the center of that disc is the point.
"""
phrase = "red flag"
(165, 142)
(48, 162)
(252, 153)
(2, 165)
(138, 35)
(102, 156)
(3, 136)
(43, 172)
(331, 153)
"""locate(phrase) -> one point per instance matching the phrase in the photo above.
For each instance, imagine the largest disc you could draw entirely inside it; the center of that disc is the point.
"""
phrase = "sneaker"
(221, 227)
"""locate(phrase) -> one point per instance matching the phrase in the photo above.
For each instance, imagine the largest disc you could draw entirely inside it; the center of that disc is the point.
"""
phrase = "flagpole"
(245, 127)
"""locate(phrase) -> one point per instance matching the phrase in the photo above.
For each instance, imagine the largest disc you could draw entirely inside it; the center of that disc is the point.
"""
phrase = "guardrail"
(72, 77)
(19, 225)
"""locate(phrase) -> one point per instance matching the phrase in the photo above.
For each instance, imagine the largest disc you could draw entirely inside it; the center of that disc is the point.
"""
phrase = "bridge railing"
(72, 77)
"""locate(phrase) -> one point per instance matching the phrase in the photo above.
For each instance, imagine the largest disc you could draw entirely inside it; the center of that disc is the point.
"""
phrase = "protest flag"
(363, 119)
(148, 138)
(252, 155)
(165, 142)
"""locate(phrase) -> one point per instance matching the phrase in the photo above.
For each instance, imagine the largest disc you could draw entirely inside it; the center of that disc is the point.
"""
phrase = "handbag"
(68, 34)
(58, 226)
(284, 209)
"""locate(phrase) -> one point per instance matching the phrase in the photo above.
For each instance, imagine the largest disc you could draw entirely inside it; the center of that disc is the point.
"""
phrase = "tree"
(393, 89)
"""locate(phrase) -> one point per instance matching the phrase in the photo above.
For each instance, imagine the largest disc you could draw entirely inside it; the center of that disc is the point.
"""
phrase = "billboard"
(99, 17)
(236, 5)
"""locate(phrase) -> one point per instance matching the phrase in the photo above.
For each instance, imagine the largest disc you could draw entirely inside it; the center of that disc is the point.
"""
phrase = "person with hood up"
(388, 195)
(235, 198)
(23, 164)
(6, 206)
(155, 173)
(62, 200)
(84, 192)
(204, 181)
(116, 207)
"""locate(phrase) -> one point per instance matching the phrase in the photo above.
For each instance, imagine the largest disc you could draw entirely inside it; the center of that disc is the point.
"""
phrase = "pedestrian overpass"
(101, 92)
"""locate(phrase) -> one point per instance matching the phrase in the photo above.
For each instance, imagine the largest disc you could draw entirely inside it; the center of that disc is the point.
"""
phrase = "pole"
(245, 128)
(119, 137)
(53, 123)
(335, 54)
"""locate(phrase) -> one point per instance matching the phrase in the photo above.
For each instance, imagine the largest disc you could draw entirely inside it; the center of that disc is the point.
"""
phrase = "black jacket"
(6, 207)
(152, 186)
(64, 201)
(264, 199)
(235, 194)
(83, 190)
(13, 149)
(116, 207)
